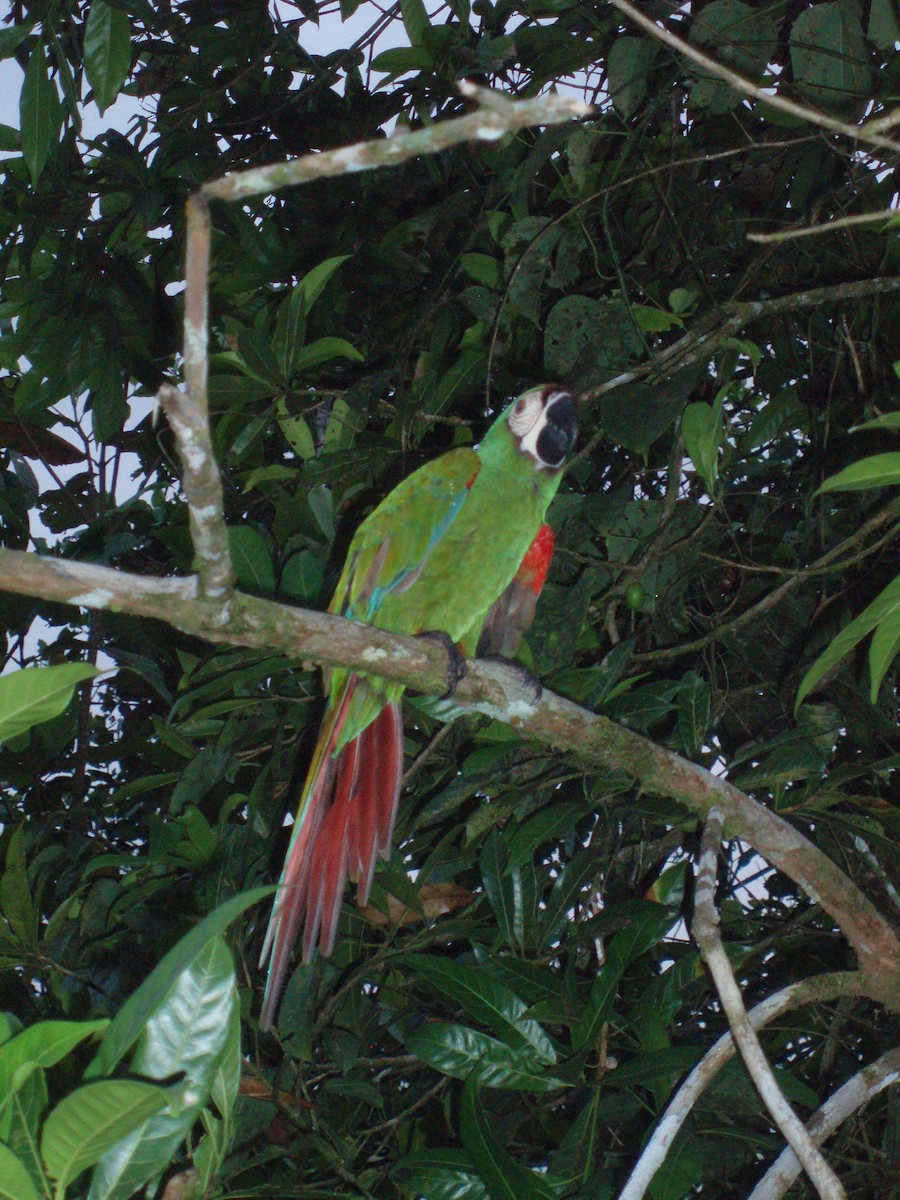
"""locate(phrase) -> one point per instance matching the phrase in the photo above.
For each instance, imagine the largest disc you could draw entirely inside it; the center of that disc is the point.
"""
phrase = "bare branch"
(496, 116)
(487, 688)
(203, 490)
(746, 87)
(788, 235)
(705, 928)
(852, 1095)
(819, 989)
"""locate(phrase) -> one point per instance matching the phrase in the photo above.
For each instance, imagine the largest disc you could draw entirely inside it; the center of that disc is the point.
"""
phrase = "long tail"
(344, 822)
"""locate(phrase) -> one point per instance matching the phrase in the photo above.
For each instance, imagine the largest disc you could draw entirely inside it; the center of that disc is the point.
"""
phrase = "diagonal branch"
(817, 990)
(705, 928)
(496, 691)
(857, 1091)
(867, 133)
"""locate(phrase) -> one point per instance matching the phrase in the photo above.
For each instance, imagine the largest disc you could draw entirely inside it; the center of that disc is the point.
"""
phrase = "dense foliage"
(360, 327)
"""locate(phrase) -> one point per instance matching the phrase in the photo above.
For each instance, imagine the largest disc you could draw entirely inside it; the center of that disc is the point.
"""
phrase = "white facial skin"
(527, 419)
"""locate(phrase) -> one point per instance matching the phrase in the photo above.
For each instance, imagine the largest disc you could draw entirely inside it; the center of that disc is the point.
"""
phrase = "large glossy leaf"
(15, 1181)
(187, 1036)
(488, 1002)
(38, 694)
(440, 1175)
(458, 1051)
(131, 1020)
(90, 1120)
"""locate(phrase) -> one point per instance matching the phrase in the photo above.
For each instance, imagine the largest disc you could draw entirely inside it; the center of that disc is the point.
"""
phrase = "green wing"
(393, 544)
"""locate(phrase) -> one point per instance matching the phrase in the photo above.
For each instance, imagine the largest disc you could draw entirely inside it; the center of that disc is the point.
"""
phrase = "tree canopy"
(709, 260)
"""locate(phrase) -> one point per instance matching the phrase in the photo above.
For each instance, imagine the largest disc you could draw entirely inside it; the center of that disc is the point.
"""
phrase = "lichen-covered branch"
(202, 485)
(818, 990)
(705, 928)
(852, 1095)
(491, 689)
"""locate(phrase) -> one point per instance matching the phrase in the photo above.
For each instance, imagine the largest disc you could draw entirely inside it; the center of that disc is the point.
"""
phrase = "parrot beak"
(560, 429)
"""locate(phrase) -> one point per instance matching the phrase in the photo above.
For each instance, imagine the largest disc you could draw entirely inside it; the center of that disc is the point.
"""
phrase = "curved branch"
(819, 989)
(496, 691)
(852, 1095)
(705, 928)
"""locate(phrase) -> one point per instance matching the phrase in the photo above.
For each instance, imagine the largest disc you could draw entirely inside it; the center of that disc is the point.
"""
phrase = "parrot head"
(544, 425)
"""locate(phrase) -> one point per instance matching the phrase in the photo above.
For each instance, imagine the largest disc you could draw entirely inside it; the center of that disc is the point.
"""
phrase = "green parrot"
(460, 537)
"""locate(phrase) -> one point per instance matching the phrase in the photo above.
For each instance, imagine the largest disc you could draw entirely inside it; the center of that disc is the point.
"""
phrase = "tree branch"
(817, 990)
(705, 928)
(858, 133)
(852, 1095)
(202, 485)
(487, 688)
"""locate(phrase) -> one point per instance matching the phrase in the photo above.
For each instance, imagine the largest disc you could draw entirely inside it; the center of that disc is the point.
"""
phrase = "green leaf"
(39, 1046)
(702, 429)
(415, 20)
(11, 39)
(323, 350)
(91, 1119)
(36, 694)
(484, 269)
(314, 281)
(107, 51)
(251, 559)
(570, 883)
(545, 826)
(743, 37)
(40, 113)
(879, 470)
(457, 1051)
(828, 53)
(438, 1175)
(15, 1181)
(883, 650)
(889, 420)
(131, 1019)
(884, 607)
(628, 69)
(401, 60)
(186, 1036)
(693, 711)
(488, 1002)
(296, 431)
(884, 24)
(644, 931)
(504, 1178)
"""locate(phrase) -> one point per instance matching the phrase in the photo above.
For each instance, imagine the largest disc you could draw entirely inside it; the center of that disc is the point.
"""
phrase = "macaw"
(450, 541)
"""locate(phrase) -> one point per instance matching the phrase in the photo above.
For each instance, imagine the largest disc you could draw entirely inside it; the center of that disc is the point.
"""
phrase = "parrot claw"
(526, 678)
(456, 663)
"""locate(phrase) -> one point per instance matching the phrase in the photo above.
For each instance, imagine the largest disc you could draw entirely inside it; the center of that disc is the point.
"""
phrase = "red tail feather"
(346, 821)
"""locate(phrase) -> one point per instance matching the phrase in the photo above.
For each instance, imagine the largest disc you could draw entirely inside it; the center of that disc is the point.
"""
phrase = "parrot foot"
(456, 663)
(526, 678)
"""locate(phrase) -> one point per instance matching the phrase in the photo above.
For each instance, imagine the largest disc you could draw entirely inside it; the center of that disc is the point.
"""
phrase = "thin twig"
(788, 235)
(817, 990)
(852, 1095)
(746, 87)
(771, 599)
(705, 928)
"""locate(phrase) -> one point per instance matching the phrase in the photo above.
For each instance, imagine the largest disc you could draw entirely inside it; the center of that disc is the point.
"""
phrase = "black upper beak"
(557, 438)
